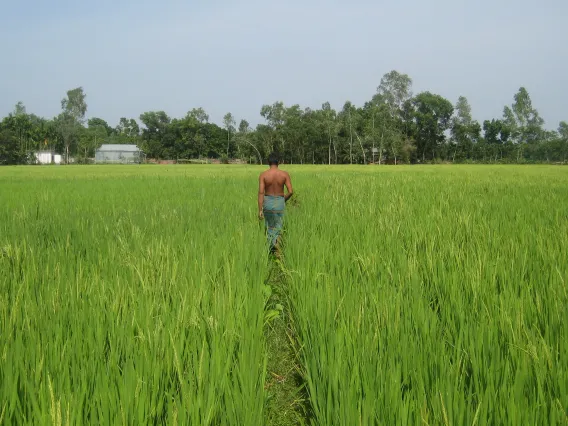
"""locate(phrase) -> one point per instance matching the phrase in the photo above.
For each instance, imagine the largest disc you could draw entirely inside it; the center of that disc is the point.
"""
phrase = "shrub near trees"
(395, 126)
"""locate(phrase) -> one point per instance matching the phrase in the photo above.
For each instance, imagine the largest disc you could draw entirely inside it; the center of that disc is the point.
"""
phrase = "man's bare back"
(272, 182)
(272, 200)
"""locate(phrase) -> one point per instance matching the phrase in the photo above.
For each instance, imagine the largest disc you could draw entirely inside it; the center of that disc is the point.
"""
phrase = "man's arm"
(288, 183)
(260, 196)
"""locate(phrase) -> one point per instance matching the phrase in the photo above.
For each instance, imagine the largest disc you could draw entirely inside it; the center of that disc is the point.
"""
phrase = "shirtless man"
(272, 200)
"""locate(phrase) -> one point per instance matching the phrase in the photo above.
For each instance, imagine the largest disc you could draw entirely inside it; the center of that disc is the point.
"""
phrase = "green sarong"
(273, 208)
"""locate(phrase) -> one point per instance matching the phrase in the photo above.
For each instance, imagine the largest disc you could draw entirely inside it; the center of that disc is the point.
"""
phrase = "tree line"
(394, 126)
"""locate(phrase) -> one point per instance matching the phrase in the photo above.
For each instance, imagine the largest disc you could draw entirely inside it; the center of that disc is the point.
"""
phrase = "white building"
(47, 157)
(118, 153)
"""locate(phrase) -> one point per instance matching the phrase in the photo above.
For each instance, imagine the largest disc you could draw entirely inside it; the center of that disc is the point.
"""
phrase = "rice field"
(432, 295)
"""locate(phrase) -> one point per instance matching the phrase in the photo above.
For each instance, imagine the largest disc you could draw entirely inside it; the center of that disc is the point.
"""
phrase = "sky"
(227, 56)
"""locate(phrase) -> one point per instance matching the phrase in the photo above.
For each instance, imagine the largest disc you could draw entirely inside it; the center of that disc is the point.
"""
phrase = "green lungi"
(273, 208)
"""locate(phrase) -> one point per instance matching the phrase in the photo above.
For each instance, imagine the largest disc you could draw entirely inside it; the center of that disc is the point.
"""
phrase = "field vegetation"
(406, 295)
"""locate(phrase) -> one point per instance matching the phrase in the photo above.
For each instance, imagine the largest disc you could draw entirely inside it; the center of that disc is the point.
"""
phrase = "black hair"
(273, 158)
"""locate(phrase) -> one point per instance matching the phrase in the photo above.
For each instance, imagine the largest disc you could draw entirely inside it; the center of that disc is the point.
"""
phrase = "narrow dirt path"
(286, 402)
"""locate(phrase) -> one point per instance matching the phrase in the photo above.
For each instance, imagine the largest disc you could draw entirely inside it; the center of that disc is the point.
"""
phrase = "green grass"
(411, 295)
(130, 296)
(287, 402)
(432, 295)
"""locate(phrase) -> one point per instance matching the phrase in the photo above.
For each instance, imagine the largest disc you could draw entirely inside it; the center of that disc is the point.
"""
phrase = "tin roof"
(118, 147)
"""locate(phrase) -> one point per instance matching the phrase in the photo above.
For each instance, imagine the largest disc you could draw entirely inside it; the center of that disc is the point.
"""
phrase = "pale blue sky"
(172, 55)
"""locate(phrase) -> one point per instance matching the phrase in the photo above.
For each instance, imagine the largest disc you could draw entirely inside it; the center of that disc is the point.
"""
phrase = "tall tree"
(229, 123)
(523, 121)
(22, 126)
(383, 128)
(527, 116)
(244, 126)
(349, 118)
(393, 93)
(275, 116)
(20, 109)
(528, 120)
(127, 127)
(90, 138)
(465, 130)
(74, 108)
(432, 115)
(293, 132)
(495, 131)
(199, 114)
(155, 134)
(9, 152)
(395, 89)
(95, 122)
(496, 135)
(563, 130)
(245, 140)
(330, 125)
(372, 112)
(314, 146)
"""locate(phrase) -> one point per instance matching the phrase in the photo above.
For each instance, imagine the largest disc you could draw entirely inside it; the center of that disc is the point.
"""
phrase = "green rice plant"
(432, 295)
(130, 295)
(419, 295)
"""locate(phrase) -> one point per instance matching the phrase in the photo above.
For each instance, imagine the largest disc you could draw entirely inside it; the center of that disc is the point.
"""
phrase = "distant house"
(118, 154)
(47, 157)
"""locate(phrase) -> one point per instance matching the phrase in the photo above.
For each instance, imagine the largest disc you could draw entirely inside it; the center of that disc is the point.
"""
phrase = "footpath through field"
(287, 400)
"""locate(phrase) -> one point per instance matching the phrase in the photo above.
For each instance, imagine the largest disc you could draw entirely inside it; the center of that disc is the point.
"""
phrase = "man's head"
(273, 159)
